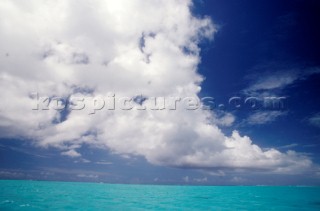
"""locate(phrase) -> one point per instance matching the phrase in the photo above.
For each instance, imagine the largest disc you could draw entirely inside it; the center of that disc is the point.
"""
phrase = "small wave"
(7, 202)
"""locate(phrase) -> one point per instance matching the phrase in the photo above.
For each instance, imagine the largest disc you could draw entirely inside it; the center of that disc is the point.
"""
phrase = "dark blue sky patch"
(140, 99)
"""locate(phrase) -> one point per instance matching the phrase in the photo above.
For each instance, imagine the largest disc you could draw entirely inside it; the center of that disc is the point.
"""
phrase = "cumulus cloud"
(94, 48)
(223, 118)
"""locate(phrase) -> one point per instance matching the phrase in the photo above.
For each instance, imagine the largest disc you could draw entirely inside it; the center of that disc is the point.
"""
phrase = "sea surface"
(43, 195)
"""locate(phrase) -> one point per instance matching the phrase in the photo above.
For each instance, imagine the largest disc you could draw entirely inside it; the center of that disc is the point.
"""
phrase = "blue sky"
(245, 49)
(268, 39)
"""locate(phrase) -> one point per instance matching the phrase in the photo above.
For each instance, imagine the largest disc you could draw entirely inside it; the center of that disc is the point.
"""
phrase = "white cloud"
(60, 48)
(288, 146)
(264, 117)
(185, 179)
(91, 176)
(274, 81)
(11, 174)
(315, 120)
(81, 160)
(204, 179)
(223, 119)
(104, 163)
(238, 180)
(219, 173)
(267, 83)
(71, 153)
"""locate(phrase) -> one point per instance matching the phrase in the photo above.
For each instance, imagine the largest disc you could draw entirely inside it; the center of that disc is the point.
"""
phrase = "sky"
(160, 92)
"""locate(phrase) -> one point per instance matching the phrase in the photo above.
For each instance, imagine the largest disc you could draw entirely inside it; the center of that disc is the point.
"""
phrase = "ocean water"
(42, 195)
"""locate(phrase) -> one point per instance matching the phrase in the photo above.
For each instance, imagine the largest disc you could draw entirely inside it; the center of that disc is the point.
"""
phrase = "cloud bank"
(94, 48)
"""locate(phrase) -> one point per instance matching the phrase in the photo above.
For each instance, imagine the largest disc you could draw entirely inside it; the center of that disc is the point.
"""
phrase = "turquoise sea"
(43, 195)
